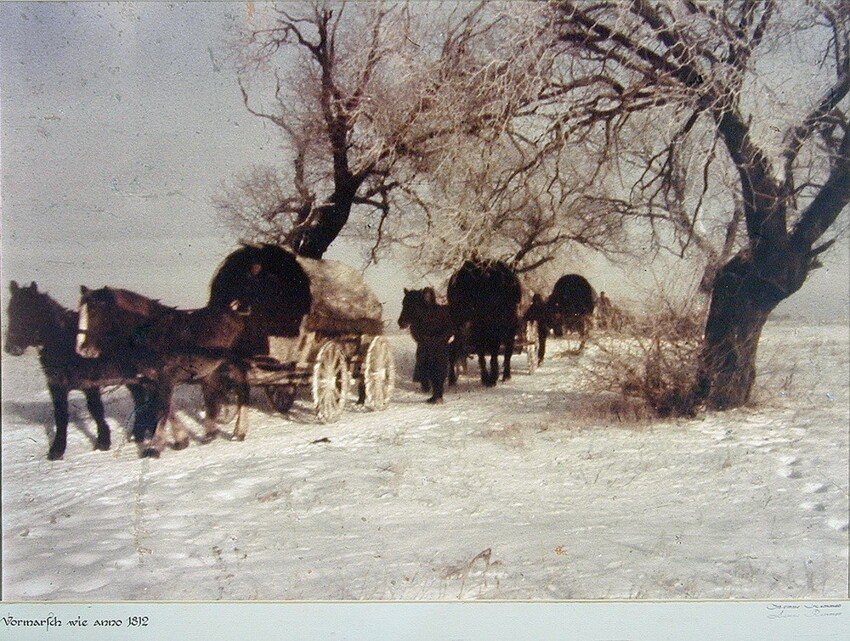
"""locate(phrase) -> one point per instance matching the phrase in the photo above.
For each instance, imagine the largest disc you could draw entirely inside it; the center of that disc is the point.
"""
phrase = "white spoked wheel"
(379, 373)
(331, 380)
(532, 349)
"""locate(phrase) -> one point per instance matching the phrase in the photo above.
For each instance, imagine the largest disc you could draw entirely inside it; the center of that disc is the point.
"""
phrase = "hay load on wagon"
(312, 322)
(341, 300)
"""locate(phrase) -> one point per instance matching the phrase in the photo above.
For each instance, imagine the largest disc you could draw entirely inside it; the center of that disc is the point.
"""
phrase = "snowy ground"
(527, 491)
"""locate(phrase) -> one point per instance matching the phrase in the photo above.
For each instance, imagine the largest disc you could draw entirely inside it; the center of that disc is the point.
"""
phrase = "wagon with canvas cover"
(314, 326)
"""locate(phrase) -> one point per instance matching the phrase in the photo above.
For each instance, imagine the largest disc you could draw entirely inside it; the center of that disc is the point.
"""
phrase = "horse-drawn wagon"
(526, 341)
(314, 325)
(486, 301)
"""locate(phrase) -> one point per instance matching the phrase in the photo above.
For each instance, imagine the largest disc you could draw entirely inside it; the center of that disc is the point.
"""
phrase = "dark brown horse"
(36, 320)
(167, 346)
(431, 327)
(484, 299)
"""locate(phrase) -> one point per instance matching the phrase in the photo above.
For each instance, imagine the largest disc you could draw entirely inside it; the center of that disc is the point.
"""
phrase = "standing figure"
(431, 328)
(537, 312)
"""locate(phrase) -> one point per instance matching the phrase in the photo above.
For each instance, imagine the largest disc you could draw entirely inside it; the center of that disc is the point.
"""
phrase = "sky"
(118, 126)
(119, 123)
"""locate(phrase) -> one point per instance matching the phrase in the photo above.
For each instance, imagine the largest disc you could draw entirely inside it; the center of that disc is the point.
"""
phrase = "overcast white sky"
(118, 125)
(119, 122)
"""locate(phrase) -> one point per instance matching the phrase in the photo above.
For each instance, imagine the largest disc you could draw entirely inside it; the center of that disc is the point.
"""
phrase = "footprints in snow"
(788, 468)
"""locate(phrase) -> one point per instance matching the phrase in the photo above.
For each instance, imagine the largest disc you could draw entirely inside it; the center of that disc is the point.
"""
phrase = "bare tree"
(367, 97)
(512, 200)
(727, 68)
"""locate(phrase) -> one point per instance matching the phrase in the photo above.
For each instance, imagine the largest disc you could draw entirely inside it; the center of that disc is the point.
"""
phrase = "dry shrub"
(654, 359)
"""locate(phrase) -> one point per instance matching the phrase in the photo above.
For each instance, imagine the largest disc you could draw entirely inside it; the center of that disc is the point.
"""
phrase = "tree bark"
(747, 289)
(326, 224)
(728, 361)
(326, 221)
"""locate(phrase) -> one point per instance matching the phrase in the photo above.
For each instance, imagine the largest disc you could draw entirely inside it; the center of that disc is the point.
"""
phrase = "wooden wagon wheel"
(281, 396)
(379, 373)
(532, 348)
(330, 383)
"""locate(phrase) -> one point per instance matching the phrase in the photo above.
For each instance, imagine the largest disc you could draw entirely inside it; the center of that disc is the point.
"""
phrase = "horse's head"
(94, 314)
(112, 320)
(414, 303)
(28, 318)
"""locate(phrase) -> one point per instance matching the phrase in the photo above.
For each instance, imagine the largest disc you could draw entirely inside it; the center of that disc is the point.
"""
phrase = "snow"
(532, 490)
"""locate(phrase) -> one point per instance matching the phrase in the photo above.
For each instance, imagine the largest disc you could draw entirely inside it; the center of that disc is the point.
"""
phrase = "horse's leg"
(153, 446)
(509, 352)
(144, 409)
(178, 431)
(59, 396)
(493, 375)
(95, 405)
(583, 332)
(212, 392)
(542, 333)
(452, 351)
(482, 365)
(243, 393)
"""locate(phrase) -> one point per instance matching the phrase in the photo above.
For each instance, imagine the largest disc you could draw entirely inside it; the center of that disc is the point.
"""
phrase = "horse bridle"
(82, 328)
(236, 306)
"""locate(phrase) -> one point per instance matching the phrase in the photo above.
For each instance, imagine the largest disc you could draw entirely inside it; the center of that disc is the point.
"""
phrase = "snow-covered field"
(527, 491)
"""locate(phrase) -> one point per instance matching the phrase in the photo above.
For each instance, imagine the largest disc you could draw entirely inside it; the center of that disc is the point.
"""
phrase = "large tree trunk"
(745, 292)
(326, 222)
(728, 360)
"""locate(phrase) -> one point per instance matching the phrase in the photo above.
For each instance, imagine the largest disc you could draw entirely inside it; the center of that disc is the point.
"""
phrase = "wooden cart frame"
(526, 342)
(332, 368)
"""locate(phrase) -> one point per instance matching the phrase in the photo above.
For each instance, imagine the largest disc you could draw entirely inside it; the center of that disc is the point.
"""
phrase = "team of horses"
(36, 320)
(119, 337)
(483, 316)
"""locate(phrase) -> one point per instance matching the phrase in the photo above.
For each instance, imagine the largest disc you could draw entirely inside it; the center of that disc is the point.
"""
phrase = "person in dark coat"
(431, 328)
(538, 313)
